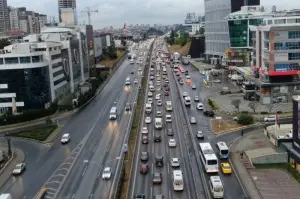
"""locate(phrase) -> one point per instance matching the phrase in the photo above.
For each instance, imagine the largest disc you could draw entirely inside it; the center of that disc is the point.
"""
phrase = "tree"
(245, 119)
(4, 42)
(236, 103)
(253, 105)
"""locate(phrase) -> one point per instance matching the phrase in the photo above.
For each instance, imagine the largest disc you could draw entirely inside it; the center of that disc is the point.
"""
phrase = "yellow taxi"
(226, 168)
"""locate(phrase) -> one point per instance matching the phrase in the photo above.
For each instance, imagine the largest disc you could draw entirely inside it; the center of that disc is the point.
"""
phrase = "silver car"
(193, 120)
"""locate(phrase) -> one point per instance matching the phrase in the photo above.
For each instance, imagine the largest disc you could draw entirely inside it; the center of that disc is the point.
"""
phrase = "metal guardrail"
(204, 183)
(120, 166)
(41, 193)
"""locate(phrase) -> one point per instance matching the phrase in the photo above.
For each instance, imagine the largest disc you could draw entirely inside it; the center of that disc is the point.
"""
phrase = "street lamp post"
(8, 147)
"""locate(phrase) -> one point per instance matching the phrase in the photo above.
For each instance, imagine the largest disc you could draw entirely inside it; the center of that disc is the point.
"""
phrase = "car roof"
(225, 163)
(107, 168)
(20, 164)
(66, 134)
(175, 159)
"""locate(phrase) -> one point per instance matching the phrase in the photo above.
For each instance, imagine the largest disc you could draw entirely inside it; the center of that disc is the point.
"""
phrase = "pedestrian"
(242, 133)
(242, 155)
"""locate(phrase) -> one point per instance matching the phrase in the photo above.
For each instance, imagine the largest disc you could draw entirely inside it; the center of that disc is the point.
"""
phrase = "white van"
(169, 106)
(216, 187)
(127, 82)
(151, 88)
(148, 108)
(187, 101)
(113, 113)
(158, 123)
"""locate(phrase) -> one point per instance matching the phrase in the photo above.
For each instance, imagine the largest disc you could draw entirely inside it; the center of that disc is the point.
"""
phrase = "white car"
(106, 175)
(270, 118)
(139, 69)
(184, 94)
(200, 106)
(157, 97)
(167, 80)
(216, 81)
(187, 77)
(65, 138)
(168, 118)
(193, 120)
(159, 103)
(19, 169)
(135, 81)
(157, 75)
(194, 87)
(172, 143)
(150, 101)
(151, 69)
(158, 114)
(175, 162)
(150, 94)
(148, 120)
(144, 130)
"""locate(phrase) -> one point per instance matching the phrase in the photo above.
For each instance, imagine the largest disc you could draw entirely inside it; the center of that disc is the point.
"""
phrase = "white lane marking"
(168, 168)
(73, 196)
(91, 196)
(151, 191)
(99, 173)
(107, 149)
(95, 149)
(85, 168)
(169, 193)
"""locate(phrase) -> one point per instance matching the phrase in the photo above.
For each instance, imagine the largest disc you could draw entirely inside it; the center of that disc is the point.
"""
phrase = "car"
(167, 80)
(209, 113)
(140, 196)
(166, 85)
(187, 77)
(135, 81)
(150, 94)
(196, 98)
(179, 78)
(159, 103)
(151, 77)
(144, 156)
(158, 79)
(184, 94)
(167, 89)
(19, 169)
(194, 87)
(139, 69)
(148, 120)
(158, 75)
(200, 135)
(157, 178)
(188, 81)
(172, 143)
(159, 161)
(151, 69)
(144, 168)
(65, 138)
(181, 82)
(168, 118)
(193, 120)
(150, 101)
(170, 132)
(200, 106)
(216, 81)
(145, 139)
(177, 73)
(127, 107)
(167, 93)
(132, 72)
(175, 162)
(106, 175)
(235, 118)
(226, 168)
(158, 114)
(157, 97)
(157, 138)
(144, 130)
(271, 118)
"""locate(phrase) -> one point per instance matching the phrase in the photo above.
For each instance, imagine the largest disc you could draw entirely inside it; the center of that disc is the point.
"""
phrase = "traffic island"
(223, 126)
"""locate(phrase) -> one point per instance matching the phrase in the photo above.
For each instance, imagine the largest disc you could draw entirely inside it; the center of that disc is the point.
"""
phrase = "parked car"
(19, 169)
(209, 113)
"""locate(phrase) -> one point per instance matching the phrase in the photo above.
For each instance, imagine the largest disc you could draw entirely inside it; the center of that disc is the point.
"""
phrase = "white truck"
(5, 196)
(158, 123)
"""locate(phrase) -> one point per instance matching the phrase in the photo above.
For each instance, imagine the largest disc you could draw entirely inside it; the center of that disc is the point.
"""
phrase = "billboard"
(97, 46)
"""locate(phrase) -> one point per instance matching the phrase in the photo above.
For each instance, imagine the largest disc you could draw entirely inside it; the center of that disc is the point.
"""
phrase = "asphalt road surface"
(93, 138)
(142, 183)
(232, 187)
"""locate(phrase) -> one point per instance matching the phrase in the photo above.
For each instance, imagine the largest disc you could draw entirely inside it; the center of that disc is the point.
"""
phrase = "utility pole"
(89, 11)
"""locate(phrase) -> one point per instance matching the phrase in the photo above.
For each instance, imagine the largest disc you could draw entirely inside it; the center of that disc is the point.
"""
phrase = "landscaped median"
(128, 161)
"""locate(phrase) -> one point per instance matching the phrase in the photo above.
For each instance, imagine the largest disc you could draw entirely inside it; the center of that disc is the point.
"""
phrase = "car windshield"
(18, 166)
(65, 136)
(226, 166)
(107, 171)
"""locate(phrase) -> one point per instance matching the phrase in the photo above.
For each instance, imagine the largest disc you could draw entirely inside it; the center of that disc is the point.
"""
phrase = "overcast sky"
(118, 12)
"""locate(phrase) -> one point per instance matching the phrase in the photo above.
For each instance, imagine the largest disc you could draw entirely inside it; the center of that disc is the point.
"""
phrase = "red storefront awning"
(283, 73)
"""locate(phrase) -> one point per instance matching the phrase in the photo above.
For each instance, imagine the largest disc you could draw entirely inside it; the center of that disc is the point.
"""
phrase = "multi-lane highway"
(95, 142)
(142, 183)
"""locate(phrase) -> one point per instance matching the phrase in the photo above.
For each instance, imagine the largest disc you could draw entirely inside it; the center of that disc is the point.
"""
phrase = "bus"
(177, 180)
(223, 150)
(169, 106)
(209, 158)
(216, 187)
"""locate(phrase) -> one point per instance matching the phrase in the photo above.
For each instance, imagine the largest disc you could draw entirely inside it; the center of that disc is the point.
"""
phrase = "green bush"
(245, 119)
(245, 112)
(212, 104)
(263, 112)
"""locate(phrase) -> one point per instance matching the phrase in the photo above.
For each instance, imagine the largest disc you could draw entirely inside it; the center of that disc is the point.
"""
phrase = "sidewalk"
(6, 171)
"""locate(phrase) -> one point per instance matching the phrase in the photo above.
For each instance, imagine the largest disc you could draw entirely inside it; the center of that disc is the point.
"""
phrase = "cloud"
(118, 12)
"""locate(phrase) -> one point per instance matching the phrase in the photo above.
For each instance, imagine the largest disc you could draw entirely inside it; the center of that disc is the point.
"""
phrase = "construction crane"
(89, 11)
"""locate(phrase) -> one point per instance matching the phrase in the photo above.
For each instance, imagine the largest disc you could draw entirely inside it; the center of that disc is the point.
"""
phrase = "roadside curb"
(237, 129)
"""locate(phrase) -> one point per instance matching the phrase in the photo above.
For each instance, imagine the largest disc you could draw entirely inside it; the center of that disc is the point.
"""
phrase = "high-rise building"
(64, 8)
(216, 26)
(4, 16)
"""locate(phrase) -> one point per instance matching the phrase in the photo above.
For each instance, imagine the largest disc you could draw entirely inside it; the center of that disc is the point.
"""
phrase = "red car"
(167, 88)
(167, 93)
(144, 168)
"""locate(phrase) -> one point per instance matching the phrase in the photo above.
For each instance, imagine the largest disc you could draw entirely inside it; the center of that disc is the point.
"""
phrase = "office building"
(43, 69)
(67, 11)
(275, 60)
(4, 17)
(192, 24)
(216, 26)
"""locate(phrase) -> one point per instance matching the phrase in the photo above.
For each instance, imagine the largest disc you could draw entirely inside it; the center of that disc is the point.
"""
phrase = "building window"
(294, 56)
(36, 59)
(57, 65)
(11, 60)
(24, 60)
(270, 22)
(50, 49)
(1, 61)
(58, 73)
(53, 57)
(59, 81)
(294, 34)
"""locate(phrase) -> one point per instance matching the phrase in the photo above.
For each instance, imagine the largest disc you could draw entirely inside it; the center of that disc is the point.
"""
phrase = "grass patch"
(283, 166)
(40, 133)
(183, 50)
(213, 104)
(219, 126)
(112, 62)
(133, 136)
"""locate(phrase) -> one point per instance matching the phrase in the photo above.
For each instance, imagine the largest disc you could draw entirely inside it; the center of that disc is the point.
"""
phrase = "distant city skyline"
(152, 12)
